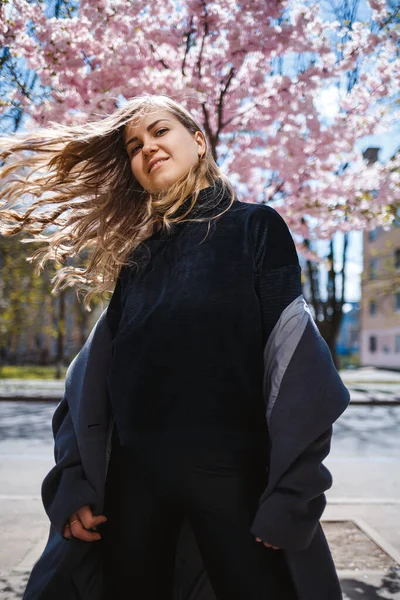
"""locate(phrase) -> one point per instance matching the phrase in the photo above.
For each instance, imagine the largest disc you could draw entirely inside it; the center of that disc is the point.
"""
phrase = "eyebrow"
(149, 128)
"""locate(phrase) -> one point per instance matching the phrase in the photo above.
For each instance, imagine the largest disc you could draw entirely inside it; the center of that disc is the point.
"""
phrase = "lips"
(157, 164)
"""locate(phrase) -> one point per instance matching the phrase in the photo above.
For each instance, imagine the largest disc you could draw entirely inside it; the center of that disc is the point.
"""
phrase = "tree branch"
(188, 35)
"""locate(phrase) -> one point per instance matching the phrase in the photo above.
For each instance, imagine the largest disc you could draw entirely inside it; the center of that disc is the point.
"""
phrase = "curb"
(31, 557)
(377, 539)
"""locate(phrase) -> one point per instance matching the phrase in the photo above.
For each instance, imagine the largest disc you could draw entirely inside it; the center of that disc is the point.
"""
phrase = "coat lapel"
(87, 394)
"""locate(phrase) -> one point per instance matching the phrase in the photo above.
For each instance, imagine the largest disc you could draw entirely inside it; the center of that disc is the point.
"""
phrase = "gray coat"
(303, 396)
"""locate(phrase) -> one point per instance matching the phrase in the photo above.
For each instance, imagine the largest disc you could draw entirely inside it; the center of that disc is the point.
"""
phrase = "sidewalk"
(357, 584)
(378, 542)
(365, 465)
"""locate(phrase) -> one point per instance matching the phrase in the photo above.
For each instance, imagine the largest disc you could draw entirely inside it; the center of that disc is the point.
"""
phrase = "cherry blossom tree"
(254, 73)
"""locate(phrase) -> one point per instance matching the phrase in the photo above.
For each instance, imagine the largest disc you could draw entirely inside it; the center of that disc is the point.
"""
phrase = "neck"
(209, 199)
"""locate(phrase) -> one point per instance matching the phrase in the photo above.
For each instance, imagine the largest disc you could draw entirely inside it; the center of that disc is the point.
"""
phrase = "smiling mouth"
(158, 164)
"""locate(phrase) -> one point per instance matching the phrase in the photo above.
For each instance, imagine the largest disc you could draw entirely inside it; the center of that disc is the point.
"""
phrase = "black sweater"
(189, 328)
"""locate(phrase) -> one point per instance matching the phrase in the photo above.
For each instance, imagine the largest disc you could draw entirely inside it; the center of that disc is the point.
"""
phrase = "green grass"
(29, 372)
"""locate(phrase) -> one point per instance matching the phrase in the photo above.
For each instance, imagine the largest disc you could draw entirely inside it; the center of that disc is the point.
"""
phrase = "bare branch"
(203, 38)
(188, 35)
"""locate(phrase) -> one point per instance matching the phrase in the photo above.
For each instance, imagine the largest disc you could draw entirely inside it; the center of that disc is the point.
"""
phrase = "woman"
(211, 450)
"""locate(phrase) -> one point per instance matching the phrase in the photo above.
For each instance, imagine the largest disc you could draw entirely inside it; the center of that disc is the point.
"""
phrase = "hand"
(80, 522)
(267, 545)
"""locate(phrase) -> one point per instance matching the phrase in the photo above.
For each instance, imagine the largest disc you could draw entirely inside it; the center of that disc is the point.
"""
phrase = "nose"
(149, 148)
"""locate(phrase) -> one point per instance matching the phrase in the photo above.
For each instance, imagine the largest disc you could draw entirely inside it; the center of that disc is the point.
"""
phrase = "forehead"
(139, 124)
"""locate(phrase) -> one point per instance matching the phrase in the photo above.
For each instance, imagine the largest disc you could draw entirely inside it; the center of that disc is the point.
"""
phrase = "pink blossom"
(273, 138)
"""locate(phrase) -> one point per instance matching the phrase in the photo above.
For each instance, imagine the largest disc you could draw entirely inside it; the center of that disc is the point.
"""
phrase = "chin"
(163, 184)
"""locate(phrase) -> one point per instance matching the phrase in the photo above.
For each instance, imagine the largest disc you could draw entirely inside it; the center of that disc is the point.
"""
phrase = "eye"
(133, 150)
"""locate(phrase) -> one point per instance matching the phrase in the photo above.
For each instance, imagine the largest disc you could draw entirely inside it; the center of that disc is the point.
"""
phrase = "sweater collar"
(210, 201)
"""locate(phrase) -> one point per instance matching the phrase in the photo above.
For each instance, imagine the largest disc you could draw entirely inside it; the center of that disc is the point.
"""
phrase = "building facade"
(380, 302)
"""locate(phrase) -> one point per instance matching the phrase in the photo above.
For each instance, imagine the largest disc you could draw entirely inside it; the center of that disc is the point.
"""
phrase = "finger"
(266, 544)
(85, 515)
(67, 529)
(270, 546)
(260, 540)
(79, 531)
(88, 520)
(98, 519)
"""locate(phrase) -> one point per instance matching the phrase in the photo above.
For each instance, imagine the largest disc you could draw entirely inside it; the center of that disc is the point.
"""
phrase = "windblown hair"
(72, 188)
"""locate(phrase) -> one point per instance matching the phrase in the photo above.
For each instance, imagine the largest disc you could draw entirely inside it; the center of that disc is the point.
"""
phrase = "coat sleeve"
(65, 488)
(288, 514)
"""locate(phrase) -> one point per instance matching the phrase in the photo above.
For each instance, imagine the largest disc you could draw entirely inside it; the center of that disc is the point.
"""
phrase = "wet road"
(365, 438)
(362, 431)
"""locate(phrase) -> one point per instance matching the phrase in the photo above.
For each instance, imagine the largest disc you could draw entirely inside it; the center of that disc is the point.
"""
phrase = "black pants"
(148, 494)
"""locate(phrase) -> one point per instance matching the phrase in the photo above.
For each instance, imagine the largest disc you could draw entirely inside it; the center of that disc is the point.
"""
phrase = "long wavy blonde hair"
(72, 188)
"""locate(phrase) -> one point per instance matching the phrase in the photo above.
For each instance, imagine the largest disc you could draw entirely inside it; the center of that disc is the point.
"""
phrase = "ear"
(201, 143)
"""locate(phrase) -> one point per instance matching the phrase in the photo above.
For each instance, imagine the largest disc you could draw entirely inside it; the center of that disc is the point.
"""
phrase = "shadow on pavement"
(26, 420)
(387, 588)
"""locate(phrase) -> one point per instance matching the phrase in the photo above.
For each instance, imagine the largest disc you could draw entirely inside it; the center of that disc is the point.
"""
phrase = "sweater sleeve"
(277, 268)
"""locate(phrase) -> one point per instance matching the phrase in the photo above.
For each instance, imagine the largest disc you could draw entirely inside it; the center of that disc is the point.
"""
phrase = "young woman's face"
(160, 136)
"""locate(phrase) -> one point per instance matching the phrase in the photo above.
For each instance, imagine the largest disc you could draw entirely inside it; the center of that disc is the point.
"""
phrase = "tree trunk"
(60, 335)
(82, 317)
(329, 312)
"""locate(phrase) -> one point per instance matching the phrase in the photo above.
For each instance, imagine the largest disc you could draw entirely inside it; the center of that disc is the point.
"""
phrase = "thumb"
(98, 519)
